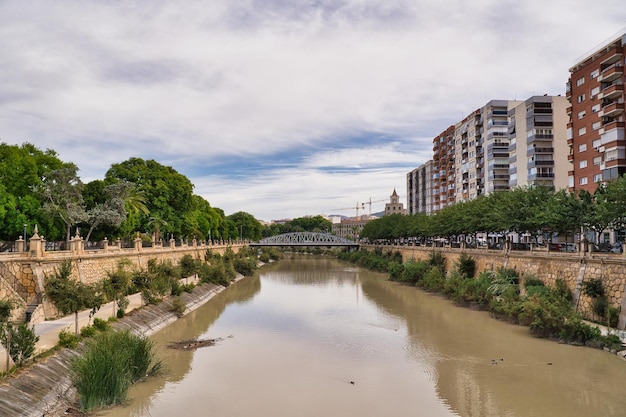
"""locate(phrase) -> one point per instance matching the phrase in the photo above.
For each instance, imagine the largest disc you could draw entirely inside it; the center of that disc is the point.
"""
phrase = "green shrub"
(178, 307)
(600, 306)
(68, 339)
(23, 341)
(612, 316)
(593, 288)
(395, 271)
(100, 325)
(188, 266)
(245, 266)
(414, 271)
(433, 280)
(533, 282)
(88, 331)
(466, 265)
(110, 364)
(437, 260)
(264, 257)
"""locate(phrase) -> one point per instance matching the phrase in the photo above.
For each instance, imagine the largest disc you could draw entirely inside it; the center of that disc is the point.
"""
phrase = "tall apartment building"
(419, 189)
(538, 150)
(443, 185)
(595, 132)
(495, 170)
(469, 161)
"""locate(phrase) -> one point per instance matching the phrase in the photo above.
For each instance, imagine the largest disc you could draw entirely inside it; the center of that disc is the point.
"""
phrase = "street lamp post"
(240, 232)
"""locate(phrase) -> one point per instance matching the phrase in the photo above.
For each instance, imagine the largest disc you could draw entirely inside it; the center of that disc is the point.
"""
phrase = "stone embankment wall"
(88, 267)
(46, 388)
(572, 268)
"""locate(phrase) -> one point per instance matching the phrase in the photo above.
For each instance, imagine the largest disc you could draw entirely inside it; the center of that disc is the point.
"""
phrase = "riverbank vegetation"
(110, 363)
(547, 311)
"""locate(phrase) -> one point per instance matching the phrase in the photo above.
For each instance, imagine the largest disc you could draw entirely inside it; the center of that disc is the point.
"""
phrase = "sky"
(279, 108)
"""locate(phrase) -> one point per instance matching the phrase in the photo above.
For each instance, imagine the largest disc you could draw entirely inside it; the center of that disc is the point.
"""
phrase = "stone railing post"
(137, 244)
(105, 244)
(194, 243)
(37, 244)
(118, 243)
(172, 243)
(20, 245)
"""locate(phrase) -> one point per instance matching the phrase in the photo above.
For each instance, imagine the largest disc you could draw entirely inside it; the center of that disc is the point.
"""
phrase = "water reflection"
(309, 326)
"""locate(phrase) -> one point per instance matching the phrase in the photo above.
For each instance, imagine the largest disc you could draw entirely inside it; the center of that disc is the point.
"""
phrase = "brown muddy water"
(317, 337)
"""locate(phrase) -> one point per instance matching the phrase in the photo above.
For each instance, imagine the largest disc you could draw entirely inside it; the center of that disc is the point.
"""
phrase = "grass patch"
(112, 362)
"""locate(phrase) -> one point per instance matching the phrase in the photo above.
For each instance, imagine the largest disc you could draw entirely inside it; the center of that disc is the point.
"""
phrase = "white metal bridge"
(305, 239)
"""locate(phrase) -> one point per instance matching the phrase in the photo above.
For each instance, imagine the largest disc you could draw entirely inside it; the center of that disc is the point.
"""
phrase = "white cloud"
(196, 82)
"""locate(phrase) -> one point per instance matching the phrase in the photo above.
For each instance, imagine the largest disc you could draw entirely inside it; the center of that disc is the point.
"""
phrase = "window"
(581, 114)
(580, 81)
(582, 131)
(595, 73)
(582, 164)
(595, 108)
(611, 155)
(597, 160)
(596, 125)
(583, 181)
(581, 98)
(597, 143)
(582, 147)
(597, 177)
(594, 91)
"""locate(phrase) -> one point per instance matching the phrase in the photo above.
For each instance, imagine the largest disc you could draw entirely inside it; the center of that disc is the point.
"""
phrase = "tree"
(21, 171)
(112, 210)
(247, 225)
(20, 342)
(70, 296)
(61, 190)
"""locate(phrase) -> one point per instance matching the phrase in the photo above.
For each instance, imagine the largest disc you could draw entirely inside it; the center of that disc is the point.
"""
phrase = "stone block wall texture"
(88, 267)
(572, 268)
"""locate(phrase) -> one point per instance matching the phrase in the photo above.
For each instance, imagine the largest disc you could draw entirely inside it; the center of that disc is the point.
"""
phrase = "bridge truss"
(305, 239)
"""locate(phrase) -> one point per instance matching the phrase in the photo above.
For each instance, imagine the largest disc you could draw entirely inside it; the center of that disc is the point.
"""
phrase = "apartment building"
(538, 150)
(469, 162)
(419, 189)
(595, 134)
(443, 170)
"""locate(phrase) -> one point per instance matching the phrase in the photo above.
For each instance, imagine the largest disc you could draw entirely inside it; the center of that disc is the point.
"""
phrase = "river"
(313, 336)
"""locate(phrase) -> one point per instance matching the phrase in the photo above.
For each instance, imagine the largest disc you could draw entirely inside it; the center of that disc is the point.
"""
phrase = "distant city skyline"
(279, 109)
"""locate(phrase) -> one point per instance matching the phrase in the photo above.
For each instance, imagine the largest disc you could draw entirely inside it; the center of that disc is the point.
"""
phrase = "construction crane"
(370, 204)
(361, 206)
(349, 208)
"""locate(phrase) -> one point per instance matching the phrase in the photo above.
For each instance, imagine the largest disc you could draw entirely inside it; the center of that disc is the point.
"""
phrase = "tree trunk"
(76, 323)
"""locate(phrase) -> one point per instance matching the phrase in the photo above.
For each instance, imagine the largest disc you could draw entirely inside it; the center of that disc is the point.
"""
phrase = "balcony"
(569, 110)
(611, 110)
(539, 150)
(534, 164)
(613, 124)
(612, 91)
(570, 157)
(544, 176)
(614, 54)
(570, 142)
(611, 73)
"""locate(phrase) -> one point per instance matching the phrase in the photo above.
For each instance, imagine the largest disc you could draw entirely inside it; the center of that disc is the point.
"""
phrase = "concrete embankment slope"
(46, 389)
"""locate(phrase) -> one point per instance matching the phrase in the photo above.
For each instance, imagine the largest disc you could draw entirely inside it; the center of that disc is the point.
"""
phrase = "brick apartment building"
(595, 132)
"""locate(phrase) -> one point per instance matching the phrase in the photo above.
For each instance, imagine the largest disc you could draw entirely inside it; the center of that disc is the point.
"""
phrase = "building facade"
(419, 189)
(443, 173)
(595, 133)
(538, 150)
(394, 206)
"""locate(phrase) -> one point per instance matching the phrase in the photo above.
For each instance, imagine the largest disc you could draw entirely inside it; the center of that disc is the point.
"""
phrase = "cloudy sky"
(280, 108)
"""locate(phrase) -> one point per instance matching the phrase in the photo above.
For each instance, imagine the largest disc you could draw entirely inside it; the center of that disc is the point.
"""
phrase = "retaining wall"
(572, 268)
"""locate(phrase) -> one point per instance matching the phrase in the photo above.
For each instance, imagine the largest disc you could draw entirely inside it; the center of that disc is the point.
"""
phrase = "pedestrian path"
(48, 331)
